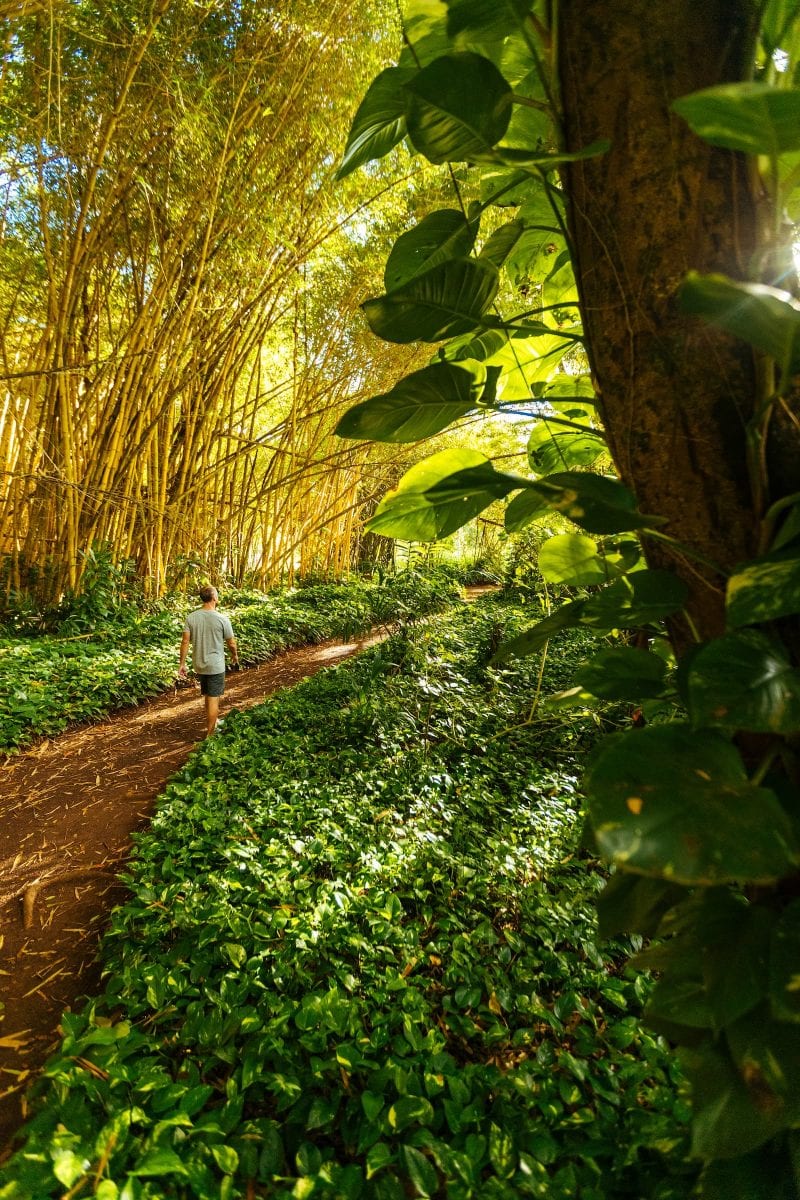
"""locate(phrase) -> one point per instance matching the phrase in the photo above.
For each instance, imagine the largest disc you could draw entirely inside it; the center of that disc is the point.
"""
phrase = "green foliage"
(440, 494)
(380, 122)
(677, 803)
(108, 594)
(458, 107)
(766, 317)
(440, 235)
(49, 683)
(359, 959)
(752, 117)
(446, 300)
(698, 811)
(419, 406)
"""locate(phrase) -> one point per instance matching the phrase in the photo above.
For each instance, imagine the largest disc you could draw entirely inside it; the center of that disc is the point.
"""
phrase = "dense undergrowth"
(47, 683)
(360, 960)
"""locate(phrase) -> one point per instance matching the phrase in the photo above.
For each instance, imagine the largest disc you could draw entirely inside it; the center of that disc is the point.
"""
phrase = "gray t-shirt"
(208, 630)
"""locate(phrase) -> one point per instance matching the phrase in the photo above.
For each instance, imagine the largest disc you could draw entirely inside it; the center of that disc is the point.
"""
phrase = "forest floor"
(70, 805)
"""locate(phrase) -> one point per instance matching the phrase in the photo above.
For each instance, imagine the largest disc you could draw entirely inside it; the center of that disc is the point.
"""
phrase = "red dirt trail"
(69, 807)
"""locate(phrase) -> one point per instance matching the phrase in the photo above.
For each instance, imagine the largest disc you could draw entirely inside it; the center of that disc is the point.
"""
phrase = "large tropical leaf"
(528, 358)
(623, 673)
(766, 317)
(440, 494)
(379, 123)
(523, 509)
(497, 248)
(533, 157)
(419, 406)
(765, 589)
(440, 235)
(459, 107)
(641, 598)
(594, 502)
(676, 803)
(752, 117)
(447, 300)
(552, 447)
(572, 559)
(744, 680)
(492, 18)
(730, 1119)
(424, 32)
(481, 346)
(569, 616)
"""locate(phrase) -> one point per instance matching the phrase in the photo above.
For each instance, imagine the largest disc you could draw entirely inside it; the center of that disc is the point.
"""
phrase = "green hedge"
(360, 960)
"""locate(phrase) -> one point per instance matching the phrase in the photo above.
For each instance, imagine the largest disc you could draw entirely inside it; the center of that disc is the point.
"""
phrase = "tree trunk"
(675, 395)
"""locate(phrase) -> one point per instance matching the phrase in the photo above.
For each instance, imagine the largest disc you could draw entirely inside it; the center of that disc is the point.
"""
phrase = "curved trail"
(69, 807)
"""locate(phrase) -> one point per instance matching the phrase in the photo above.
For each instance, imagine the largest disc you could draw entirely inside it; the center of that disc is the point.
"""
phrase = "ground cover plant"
(48, 683)
(360, 960)
(615, 258)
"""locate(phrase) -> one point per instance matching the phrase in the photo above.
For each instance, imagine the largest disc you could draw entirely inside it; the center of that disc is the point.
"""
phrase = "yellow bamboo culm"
(171, 379)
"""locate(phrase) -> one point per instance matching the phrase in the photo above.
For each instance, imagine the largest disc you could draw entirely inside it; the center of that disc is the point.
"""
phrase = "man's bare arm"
(234, 649)
(183, 652)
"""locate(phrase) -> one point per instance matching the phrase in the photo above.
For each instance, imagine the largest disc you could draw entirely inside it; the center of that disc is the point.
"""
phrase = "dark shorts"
(212, 685)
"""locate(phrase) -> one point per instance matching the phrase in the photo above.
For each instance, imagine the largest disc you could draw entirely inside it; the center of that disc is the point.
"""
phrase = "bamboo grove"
(169, 381)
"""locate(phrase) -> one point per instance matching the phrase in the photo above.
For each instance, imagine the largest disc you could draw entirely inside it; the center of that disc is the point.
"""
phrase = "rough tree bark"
(674, 394)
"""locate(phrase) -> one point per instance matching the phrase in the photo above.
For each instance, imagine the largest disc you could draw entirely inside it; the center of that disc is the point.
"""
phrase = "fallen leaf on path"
(15, 1041)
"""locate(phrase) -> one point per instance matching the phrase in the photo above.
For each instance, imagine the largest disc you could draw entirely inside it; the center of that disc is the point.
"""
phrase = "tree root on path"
(31, 890)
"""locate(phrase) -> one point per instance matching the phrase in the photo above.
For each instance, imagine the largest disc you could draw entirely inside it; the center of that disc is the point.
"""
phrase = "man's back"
(208, 631)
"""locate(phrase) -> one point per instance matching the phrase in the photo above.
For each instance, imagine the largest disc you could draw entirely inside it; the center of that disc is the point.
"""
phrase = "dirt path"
(69, 807)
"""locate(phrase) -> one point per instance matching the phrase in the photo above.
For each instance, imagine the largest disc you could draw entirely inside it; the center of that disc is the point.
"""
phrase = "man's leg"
(212, 712)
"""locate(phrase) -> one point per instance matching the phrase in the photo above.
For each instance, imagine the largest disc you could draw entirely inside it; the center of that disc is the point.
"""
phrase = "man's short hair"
(208, 593)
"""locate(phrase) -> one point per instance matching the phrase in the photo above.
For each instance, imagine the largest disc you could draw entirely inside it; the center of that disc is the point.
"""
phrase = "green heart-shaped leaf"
(752, 117)
(443, 302)
(419, 406)
(765, 589)
(523, 509)
(594, 502)
(728, 1118)
(439, 495)
(459, 107)
(765, 317)
(439, 236)
(379, 123)
(572, 558)
(744, 681)
(566, 617)
(623, 673)
(638, 599)
(676, 803)
(551, 448)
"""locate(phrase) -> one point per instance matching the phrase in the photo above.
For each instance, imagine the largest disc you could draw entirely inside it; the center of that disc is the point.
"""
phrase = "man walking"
(209, 632)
